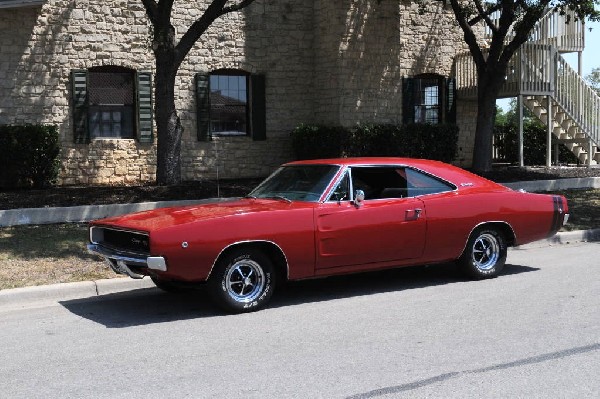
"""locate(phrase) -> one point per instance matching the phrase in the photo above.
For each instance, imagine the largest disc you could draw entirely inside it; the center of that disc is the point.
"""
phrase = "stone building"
(86, 66)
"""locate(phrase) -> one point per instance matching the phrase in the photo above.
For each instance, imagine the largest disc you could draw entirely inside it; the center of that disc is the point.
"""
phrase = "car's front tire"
(243, 280)
(485, 254)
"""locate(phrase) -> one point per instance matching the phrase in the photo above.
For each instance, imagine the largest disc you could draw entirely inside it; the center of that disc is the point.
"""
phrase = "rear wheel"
(243, 280)
(485, 254)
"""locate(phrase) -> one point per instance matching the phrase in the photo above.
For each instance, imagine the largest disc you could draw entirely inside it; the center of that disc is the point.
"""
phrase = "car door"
(378, 229)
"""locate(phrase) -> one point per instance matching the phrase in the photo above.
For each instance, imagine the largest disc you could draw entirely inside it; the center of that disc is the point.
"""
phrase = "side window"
(422, 184)
(342, 191)
(395, 182)
(380, 182)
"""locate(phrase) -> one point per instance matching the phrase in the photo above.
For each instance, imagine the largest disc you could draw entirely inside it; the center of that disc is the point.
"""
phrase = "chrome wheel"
(486, 251)
(245, 281)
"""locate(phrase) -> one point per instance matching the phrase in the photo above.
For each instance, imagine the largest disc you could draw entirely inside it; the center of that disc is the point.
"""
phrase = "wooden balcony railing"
(564, 32)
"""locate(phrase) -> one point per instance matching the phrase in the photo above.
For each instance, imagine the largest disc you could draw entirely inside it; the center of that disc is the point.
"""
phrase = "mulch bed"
(100, 195)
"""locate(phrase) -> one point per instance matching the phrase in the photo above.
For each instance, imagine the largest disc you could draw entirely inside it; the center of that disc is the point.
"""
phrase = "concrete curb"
(43, 294)
(84, 213)
(27, 297)
(558, 184)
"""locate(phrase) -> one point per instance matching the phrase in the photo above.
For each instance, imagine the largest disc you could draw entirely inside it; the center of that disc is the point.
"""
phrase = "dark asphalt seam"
(447, 376)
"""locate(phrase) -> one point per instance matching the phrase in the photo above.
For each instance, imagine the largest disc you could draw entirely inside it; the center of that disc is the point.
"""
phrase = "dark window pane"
(228, 102)
(426, 100)
(111, 99)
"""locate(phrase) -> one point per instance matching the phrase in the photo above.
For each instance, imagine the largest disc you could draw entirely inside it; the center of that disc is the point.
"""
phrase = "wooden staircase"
(548, 86)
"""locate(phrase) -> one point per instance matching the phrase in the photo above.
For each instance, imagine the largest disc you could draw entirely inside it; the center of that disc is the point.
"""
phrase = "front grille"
(121, 240)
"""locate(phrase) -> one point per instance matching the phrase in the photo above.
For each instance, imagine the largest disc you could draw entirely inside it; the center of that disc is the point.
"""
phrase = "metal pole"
(590, 152)
(520, 110)
(549, 130)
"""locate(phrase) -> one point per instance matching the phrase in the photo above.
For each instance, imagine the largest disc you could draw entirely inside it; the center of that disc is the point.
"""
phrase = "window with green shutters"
(230, 103)
(112, 102)
(428, 98)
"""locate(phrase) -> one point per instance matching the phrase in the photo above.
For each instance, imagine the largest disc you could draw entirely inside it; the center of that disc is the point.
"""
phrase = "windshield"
(296, 182)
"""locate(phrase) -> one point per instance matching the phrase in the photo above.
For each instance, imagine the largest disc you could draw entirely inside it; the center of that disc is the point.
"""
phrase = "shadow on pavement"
(151, 305)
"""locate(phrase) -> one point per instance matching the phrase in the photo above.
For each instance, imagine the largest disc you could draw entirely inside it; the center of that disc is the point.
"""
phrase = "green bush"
(29, 155)
(314, 141)
(415, 141)
(534, 144)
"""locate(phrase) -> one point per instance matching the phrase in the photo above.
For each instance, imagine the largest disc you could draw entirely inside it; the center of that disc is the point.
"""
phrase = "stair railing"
(578, 99)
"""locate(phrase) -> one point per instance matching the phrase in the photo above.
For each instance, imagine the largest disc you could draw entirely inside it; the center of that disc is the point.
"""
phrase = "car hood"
(166, 217)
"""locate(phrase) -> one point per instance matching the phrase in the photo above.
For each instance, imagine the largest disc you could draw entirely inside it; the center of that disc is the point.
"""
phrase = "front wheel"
(243, 280)
(484, 255)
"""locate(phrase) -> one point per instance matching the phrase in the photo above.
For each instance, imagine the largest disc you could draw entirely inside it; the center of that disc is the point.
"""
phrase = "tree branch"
(490, 11)
(151, 10)
(237, 7)
(215, 10)
(485, 16)
(461, 15)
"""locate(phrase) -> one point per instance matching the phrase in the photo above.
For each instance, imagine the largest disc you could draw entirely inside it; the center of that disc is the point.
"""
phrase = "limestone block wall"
(337, 62)
(41, 45)
(365, 47)
(466, 120)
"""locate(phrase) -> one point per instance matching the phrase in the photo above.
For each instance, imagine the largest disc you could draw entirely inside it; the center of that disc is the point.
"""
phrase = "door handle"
(413, 214)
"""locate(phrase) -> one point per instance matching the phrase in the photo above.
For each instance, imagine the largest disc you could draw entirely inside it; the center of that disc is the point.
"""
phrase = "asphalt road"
(422, 332)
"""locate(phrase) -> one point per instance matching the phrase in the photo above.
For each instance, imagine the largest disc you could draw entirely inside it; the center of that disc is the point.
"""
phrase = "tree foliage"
(594, 80)
(169, 55)
(509, 22)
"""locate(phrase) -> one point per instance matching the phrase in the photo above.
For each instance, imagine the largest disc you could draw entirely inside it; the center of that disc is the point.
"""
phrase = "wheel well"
(270, 249)
(502, 227)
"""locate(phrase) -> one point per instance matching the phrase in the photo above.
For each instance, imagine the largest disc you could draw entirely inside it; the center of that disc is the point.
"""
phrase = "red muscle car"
(324, 217)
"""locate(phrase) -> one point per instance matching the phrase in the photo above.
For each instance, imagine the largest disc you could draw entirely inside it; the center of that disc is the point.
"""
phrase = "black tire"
(242, 281)
(485, 254)
(169, 286)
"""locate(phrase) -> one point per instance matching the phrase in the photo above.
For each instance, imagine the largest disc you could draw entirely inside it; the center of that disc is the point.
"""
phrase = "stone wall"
(366, 47)
(337, 62)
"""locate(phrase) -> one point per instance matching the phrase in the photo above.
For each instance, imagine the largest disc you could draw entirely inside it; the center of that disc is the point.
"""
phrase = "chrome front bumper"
(120, 263)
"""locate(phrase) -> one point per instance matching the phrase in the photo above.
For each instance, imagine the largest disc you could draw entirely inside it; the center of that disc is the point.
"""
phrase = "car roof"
(452, 174)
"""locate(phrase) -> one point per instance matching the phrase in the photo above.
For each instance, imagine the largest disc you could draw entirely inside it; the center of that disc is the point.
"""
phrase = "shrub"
(29, 155)
(534, 144)
(314, 141)
(415, 140)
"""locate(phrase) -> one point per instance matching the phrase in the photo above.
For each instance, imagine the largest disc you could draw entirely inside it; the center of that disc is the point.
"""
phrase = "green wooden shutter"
(408, 100)
(144, 107)
(203, 106)
(450, 100)
(258, 109)
(81, 133)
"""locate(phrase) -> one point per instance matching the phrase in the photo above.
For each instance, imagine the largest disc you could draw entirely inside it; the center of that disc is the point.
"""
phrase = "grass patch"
(47, 254)
(584, 209)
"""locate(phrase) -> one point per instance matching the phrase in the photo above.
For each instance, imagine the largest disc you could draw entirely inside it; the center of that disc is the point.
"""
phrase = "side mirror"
(359, 197)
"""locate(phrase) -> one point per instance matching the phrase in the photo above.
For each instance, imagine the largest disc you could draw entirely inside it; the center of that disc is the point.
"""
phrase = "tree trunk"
(488, 87)
(168, 125)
